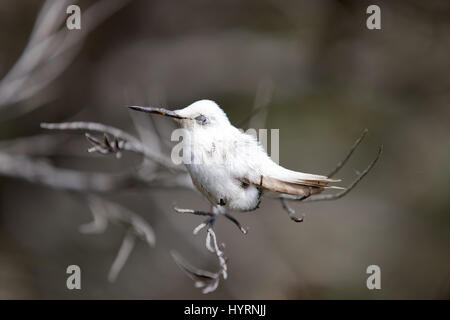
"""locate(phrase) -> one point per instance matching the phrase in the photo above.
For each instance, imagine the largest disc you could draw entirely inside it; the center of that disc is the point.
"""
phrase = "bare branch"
(104, 211)
(99, 224)
(126, 247)
(207, 280)
(290, 211)
(349, 154)
(220, 254)
(322, 197)
(105, 146)
(49, 51)
(128, 143)
(120, 215)
(41, 172)
(38, 171)
(42, 144)
(203, 278)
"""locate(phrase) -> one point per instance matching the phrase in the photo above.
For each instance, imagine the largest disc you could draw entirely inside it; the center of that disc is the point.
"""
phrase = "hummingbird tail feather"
(298, 189)
(282, 180)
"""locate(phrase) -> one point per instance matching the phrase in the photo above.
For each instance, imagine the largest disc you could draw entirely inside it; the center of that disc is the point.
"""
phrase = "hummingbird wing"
(257, 168)
(276, 178)
(300, 187)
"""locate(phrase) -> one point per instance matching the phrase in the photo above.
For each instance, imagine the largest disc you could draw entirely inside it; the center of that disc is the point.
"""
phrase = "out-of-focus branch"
(123, 254)
(38, 171)
(105, 211)
(42, 144)
(50, 50)
(258, 116)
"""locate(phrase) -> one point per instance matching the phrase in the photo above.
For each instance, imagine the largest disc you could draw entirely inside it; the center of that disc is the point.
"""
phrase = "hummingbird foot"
(236, 222)
(209, 222)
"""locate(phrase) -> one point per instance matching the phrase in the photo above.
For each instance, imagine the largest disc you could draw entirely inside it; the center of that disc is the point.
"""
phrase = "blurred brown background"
(331, 78)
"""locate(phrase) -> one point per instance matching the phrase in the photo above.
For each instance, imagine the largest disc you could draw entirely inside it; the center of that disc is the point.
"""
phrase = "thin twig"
(123, 254)
(40, 144)
(290, 211)
(207, 280)
(38, 171)
(104, 211)
(122, 216)
(130, 142)
(349, 154)
(41, 172)
(202, 278)
(323, 197)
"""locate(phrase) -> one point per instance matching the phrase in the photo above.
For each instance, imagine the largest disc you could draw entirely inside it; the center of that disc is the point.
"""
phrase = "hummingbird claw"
(236, 222)
(196, 212)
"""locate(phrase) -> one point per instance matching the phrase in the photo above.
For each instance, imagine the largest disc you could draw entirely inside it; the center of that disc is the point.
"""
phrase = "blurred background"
(324, 78)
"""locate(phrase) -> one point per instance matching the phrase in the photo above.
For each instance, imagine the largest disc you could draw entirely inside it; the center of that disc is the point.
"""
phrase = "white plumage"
(229, 166)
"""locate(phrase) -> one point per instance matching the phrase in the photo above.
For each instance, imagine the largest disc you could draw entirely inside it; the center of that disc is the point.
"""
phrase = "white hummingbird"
(230, 167)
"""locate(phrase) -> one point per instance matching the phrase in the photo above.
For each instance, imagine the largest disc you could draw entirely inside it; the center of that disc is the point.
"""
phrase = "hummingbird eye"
(201, 118)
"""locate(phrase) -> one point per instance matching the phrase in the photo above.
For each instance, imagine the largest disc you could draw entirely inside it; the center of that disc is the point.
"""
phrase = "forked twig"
(323, 197)
(349, 154)
(105, 146)
(125, 141)
(41, 172)
(207, 280)
(105, 211)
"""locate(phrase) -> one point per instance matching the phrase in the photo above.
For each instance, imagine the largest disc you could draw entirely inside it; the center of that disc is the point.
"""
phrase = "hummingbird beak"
(162, 111)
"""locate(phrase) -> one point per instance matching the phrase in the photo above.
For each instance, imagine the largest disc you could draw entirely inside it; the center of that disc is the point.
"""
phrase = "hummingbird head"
(202, 113)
